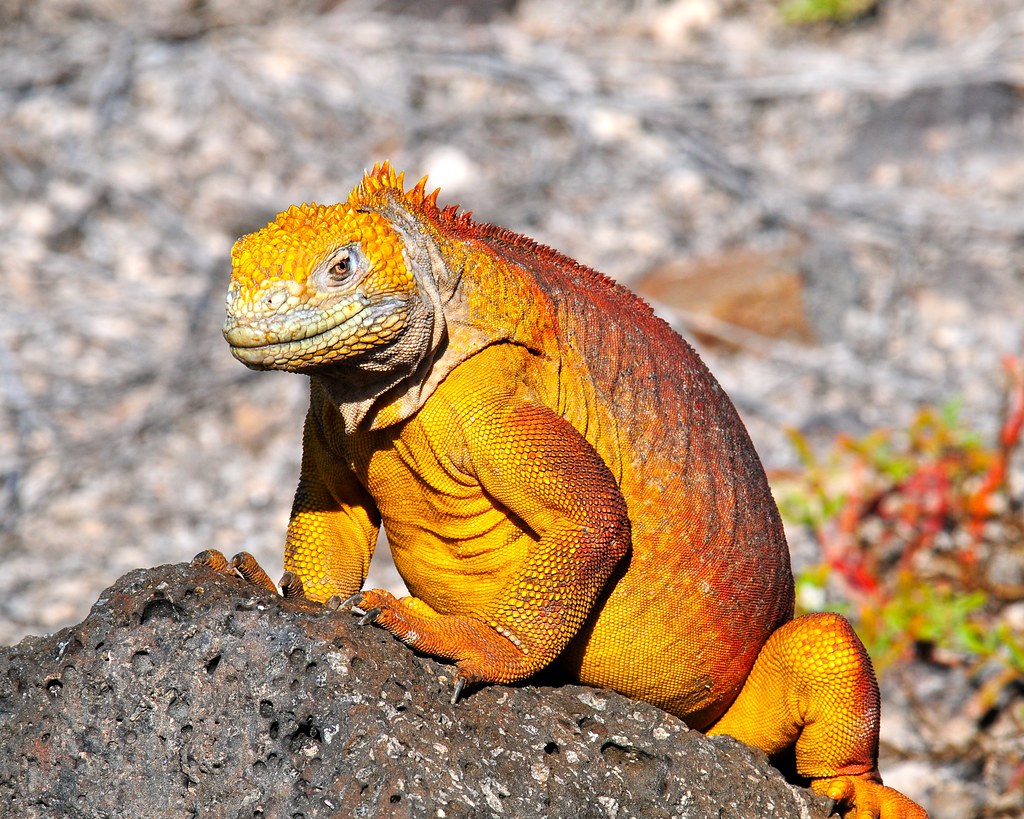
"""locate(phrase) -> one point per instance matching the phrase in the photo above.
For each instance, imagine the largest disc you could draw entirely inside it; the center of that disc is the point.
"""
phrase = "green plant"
(806, 12)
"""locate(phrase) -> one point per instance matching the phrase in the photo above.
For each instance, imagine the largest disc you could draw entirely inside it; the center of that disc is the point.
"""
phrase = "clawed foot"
(369, 615)
(384, 609)
(865, 797)
(244, 565)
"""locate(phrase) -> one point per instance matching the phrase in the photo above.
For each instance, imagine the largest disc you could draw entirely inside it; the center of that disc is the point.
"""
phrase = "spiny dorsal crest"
(383, 183)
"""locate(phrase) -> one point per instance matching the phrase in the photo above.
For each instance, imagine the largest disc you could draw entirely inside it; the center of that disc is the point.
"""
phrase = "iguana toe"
(291, 586)
(247, 566)
(213, 559)
(243, 565)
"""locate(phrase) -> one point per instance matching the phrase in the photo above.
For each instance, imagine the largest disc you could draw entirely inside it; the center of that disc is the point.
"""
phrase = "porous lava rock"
(184, 693)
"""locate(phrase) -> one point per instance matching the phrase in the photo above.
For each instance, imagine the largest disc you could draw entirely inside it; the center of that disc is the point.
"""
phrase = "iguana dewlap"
(560, 478)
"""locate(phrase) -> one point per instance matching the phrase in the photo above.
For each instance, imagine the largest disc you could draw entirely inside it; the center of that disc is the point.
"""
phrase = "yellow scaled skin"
(560, 479)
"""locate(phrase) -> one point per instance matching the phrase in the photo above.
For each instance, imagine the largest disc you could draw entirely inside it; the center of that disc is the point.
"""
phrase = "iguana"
(561, 479)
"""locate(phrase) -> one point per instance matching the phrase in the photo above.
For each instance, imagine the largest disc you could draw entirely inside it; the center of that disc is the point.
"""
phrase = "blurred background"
(825, 196)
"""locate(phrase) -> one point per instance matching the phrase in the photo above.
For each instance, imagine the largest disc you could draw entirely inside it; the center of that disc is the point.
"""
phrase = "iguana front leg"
(331, 532)
(534, 464)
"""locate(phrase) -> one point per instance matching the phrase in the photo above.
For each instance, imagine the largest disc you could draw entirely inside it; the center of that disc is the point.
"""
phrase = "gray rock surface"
(187, 694)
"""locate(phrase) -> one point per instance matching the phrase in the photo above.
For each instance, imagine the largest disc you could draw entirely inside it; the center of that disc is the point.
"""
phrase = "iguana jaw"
(307, 337)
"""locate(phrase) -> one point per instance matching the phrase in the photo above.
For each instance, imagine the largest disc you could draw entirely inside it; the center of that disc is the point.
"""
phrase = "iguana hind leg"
(812, 689)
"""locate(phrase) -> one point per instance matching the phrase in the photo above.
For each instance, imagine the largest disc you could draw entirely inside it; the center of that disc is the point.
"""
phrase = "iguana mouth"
(282, 355)
(312, 337)
(298, 325)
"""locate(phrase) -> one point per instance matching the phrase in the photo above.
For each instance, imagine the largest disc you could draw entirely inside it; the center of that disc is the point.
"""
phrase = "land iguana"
(561, 479)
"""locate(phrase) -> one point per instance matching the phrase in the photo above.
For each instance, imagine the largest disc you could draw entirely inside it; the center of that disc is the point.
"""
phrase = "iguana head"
(326, 284)
(378, 298)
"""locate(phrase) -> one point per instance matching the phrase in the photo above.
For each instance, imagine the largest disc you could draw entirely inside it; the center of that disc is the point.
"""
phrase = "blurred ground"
(835, 216)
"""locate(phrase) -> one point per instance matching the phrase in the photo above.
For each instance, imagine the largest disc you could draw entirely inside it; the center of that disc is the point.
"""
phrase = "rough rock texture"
(140, 138)
(188, 690)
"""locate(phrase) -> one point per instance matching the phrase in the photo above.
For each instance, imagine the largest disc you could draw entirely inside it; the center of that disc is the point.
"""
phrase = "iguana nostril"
(275, 299)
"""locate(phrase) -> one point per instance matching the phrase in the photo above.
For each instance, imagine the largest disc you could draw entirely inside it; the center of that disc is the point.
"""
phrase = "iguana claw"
(370, 616)
(460, 683)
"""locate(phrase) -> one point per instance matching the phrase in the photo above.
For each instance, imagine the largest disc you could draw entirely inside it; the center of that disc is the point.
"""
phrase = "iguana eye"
(342, 269)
